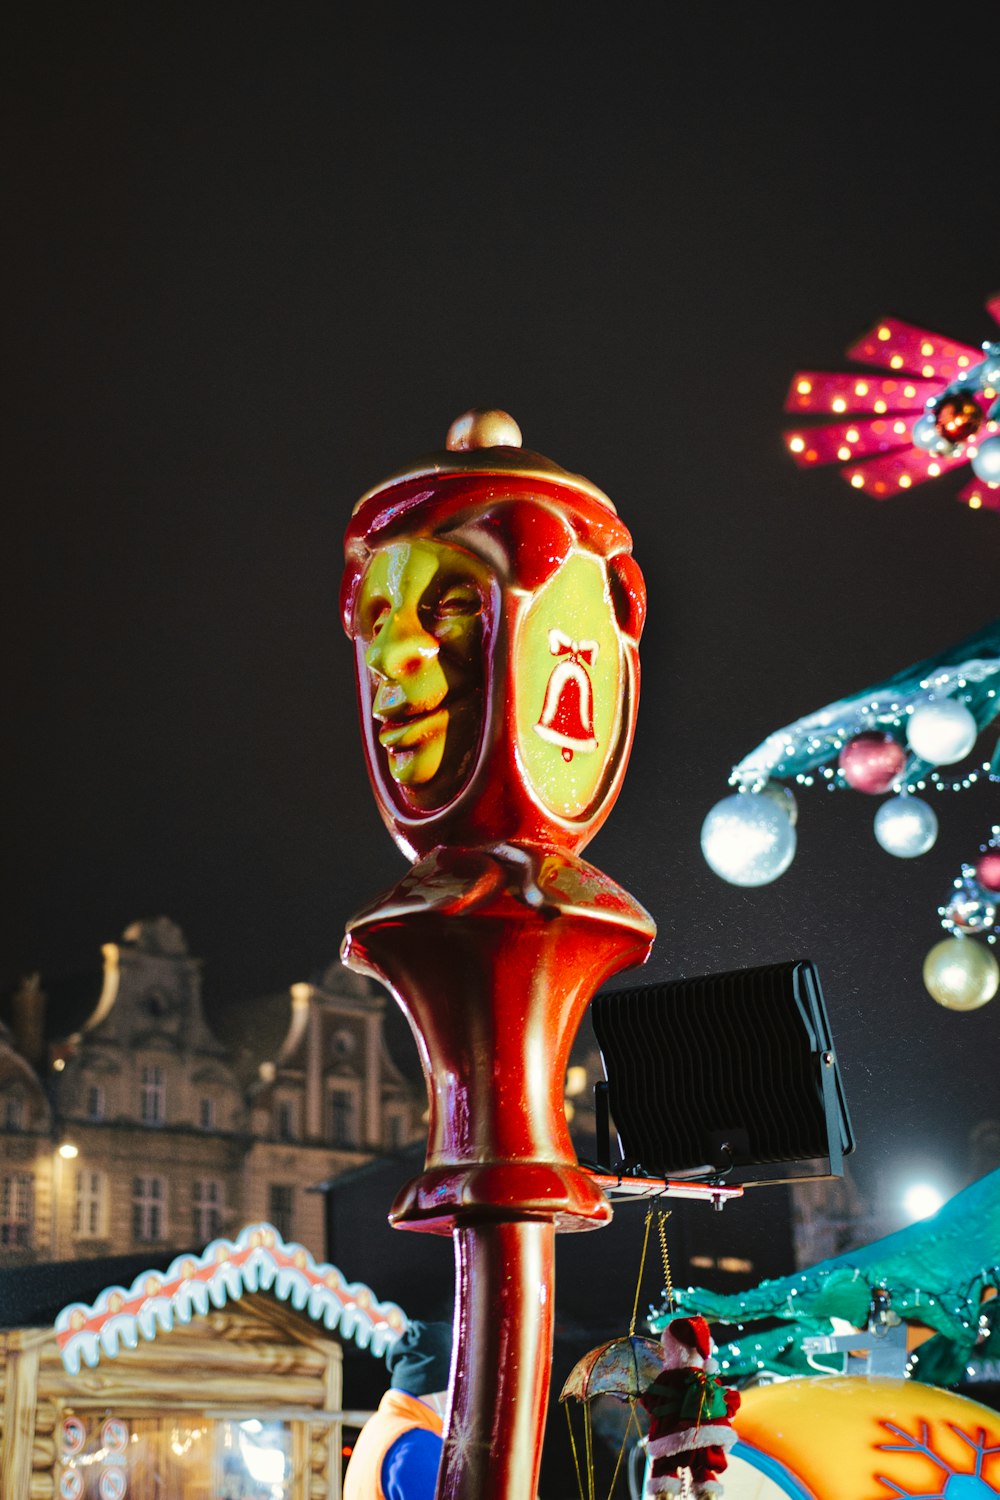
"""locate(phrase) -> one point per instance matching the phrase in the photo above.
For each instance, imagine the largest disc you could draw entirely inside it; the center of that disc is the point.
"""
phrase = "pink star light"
(873, 440)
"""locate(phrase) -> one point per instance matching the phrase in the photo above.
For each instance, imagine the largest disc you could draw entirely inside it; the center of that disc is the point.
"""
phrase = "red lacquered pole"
(500, 1379)
(496, 612)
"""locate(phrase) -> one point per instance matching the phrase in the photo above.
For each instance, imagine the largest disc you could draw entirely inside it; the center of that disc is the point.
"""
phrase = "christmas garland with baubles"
(936, 408)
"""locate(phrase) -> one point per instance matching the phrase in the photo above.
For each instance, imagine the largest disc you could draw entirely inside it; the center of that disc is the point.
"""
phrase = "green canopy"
(935, 1272)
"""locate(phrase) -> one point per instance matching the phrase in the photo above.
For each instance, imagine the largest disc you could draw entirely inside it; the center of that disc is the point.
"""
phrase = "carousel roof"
(938, 1272)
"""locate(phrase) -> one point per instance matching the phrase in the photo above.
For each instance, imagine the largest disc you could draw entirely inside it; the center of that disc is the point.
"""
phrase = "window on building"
(14, 1111)
(284, 1120)
(281, 1205)
(16, 1206)
(88, 1223)
(342, 1112)
(149, 1200)
(206, 1209)
(394, 1129)
(206, 1113)
(152, 1097)
(95, 1102)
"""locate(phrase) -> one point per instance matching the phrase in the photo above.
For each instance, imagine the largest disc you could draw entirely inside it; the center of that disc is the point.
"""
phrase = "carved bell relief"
(567, 717)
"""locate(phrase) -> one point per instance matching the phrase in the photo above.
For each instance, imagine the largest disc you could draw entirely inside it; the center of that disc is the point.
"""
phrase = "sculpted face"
(419, 619)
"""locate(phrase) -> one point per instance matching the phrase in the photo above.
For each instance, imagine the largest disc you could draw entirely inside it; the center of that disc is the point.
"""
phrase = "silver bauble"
(906, 826)
(748, 839)
(986, 463)
(941, 731)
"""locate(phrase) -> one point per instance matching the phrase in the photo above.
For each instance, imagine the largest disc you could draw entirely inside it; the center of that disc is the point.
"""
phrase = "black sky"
(258, 256)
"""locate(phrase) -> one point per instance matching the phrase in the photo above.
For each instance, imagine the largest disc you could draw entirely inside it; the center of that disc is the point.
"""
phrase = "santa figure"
(690, 1413)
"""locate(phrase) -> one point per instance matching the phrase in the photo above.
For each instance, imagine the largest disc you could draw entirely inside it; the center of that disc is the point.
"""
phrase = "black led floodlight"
(730, 1076)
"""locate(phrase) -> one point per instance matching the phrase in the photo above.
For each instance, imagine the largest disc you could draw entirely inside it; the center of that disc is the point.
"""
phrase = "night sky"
(259, 256)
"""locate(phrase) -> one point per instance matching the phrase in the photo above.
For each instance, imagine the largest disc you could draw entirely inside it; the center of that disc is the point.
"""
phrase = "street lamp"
(66, 1151)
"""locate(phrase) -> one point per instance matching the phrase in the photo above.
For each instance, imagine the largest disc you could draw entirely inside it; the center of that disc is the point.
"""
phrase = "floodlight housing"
(729, 1076)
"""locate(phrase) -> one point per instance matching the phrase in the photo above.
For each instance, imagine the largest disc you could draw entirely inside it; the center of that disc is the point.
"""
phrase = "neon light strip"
(259, 1260)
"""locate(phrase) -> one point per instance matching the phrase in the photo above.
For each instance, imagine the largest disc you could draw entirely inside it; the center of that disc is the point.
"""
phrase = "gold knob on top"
(483, 427)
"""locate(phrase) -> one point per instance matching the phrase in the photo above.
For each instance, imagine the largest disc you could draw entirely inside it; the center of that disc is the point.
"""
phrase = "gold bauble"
(961, 974)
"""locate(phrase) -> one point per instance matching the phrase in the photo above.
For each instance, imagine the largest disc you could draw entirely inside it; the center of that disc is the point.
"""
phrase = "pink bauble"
(988, 871)
(872, 761)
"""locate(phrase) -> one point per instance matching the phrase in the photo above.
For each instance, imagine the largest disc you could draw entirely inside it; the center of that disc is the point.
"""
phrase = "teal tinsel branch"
(968, 671)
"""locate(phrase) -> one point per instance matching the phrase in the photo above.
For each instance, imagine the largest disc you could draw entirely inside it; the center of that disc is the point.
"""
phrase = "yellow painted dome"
(852, 1438)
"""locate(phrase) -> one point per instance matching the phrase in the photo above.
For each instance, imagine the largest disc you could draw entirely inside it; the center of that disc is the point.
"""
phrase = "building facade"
(146, 1129)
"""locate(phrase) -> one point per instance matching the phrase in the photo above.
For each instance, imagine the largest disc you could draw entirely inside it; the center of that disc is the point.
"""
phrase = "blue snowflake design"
(967, 1484)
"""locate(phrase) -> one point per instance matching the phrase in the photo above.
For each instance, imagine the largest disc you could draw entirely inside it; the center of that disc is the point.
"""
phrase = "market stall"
(214, 1379)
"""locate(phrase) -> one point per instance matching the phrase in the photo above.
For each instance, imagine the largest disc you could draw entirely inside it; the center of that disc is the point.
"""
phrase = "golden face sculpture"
(421, 613)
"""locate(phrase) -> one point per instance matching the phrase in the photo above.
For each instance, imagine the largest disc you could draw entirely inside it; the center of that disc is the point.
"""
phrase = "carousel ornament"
(690, 1414)
(622, 1368)
(930, 405)
(492, 766)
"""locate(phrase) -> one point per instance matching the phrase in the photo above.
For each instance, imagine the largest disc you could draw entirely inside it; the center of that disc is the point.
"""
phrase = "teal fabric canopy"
(935, 1272)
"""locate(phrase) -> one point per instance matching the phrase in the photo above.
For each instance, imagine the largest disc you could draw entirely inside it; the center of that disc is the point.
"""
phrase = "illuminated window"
(167, 1457)
(207, 1202)
(152, 1097)
(281, 1206)
(149, 1198)
(88, 1221)
(16, 1203)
